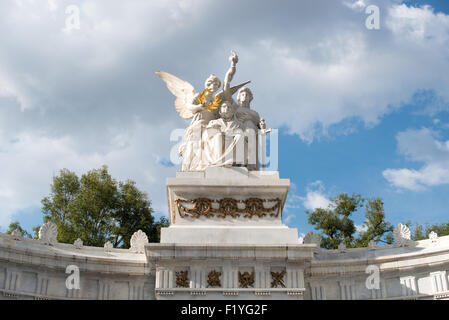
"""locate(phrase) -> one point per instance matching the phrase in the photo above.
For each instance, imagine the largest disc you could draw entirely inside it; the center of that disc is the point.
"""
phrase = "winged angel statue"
(213, 114)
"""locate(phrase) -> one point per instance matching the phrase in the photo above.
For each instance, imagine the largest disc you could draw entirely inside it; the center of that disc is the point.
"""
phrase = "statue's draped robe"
(223, 142)
(250, 120)
(192, 148)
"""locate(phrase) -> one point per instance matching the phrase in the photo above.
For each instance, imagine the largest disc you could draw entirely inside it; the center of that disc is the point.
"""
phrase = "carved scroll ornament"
(205, 207)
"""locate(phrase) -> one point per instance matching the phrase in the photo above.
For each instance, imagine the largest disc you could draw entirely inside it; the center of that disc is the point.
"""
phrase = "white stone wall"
(417, 271)
(30, 269)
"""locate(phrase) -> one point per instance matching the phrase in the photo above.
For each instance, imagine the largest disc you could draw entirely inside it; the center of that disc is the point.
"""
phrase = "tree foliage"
(16, 226)
(375, 226)
(337, 227)
(422, 231)
(96, 208)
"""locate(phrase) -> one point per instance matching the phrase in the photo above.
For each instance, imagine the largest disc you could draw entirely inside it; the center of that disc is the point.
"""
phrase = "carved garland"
(278, 279)
(213, 279)
(202, 207)
(182, 279)
(246, 279)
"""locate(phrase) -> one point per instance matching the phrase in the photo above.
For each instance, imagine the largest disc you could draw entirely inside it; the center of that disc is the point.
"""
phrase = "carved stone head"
(244, 97)
(226, 111)
(212, 83)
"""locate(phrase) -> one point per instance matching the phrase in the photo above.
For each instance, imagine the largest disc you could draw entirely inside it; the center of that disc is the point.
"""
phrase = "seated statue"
(221, 132)
(224, 137)
(251, 123)
(250, 118)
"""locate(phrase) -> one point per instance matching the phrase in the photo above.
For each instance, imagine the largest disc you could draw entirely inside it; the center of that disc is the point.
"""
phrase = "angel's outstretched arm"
(229, 75)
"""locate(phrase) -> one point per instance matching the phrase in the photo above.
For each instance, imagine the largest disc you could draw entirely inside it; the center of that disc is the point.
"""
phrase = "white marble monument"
(226, 238)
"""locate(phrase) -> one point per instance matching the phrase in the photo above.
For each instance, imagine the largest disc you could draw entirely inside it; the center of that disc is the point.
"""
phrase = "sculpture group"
(222, 132)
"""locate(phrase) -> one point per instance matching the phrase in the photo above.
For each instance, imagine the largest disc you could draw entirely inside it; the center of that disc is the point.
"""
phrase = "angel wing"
(183, 91)
(233, 89)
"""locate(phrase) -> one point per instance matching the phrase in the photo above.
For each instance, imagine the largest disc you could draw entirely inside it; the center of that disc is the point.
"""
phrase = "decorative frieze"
(277, 279)
(433, 236)
(17, 235)
(108, 246)
(246, 279)
(48, 233)
(401, 235)
(213, 279)
(228, 207)
(182, 279)
(138, 241)
(78, 244)
(312, 238)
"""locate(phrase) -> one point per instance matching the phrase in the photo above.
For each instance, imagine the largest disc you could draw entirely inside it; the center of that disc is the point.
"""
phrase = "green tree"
(376, 228)
(421, 232)
(337, 227)
(134, 212)
(57, 206)
(162, 223)
(334, 222)
(16, 226)
(96, 208)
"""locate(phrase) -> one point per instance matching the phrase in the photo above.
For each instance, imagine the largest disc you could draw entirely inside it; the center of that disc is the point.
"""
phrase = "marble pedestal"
(226, 238)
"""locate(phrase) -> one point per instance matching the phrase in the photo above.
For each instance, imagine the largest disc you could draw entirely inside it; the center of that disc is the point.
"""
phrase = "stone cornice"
(89, 259)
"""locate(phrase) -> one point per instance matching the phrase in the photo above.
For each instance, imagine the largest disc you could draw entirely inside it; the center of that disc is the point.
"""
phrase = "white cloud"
(357, 5)
(91, 97)
(315, 197)
(351, 72)
(314, 200)
(421, 146)
(419, 24)
(30, 161)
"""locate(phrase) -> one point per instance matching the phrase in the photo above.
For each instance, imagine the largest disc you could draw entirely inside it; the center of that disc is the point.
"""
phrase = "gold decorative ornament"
(278, 279)
(213, 279)
(182, 279)
(228, 207)
(211, 105)
(202, 207)
(202, 97)
(246, 279)
(254, 207)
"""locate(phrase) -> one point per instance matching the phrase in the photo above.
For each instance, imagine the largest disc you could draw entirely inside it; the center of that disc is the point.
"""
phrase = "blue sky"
(358, 110)
(354, 163)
